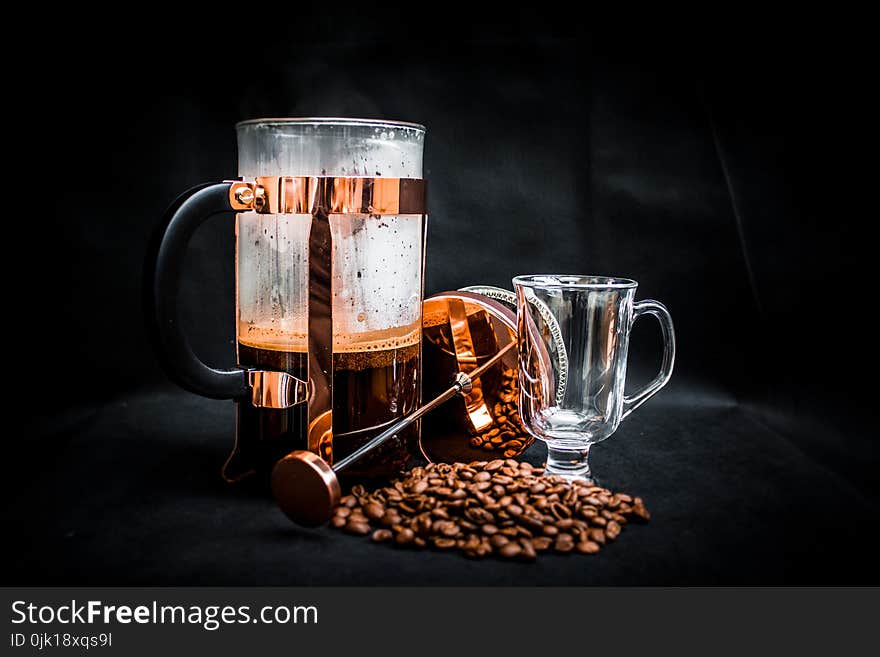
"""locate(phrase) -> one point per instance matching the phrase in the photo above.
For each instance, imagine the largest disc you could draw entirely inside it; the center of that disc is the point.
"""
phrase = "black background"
(716, 164)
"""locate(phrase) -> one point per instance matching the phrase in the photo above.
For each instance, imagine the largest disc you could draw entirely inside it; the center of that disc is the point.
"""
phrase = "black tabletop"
(129, 492)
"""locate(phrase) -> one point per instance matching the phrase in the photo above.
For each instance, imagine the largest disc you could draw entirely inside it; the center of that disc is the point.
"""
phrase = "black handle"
(164, 264)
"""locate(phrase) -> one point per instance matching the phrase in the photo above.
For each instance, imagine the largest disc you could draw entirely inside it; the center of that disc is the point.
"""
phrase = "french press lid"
(461, 330)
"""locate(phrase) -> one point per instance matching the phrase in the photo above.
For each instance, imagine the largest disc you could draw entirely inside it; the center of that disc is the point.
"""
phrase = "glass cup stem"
(569, 463)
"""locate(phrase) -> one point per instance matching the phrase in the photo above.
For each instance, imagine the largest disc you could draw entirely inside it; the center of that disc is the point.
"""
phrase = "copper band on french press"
(322, 197)
(335, 195)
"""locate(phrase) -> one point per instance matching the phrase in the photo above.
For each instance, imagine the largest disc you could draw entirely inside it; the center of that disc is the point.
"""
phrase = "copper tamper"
(305, 486)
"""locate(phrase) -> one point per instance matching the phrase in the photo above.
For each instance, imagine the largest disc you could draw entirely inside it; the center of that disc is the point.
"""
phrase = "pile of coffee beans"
(506, 434)
(499, 507)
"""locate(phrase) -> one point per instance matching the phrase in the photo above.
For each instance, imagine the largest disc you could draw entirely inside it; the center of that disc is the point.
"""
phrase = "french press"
(329, 261)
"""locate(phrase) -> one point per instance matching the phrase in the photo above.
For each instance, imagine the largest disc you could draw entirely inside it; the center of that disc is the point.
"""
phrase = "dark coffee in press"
(375, 382)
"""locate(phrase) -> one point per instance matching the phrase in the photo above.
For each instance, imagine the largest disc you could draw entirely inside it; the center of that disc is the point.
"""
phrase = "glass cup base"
(569, 463)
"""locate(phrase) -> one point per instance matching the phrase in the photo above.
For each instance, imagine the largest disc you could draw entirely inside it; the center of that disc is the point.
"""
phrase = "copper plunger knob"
(306, 488)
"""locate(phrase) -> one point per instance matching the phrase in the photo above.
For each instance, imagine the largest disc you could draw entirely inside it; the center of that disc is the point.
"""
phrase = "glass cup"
(573, 339)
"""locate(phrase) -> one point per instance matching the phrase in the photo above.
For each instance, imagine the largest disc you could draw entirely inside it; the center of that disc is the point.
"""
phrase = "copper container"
(461, 330)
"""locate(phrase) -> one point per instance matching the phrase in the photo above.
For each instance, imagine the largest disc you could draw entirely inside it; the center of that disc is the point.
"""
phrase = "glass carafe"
(330, 237)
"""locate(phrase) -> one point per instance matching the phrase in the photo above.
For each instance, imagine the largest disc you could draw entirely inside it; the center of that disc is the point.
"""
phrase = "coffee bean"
(588, 547)
(382, 535)
(483, 476)
(612, 530)
(405, 536)
(498, 541)
(510, 550)
(491, 466)
(374, 511)
(528, 550)
(423, 524)
(542, 543)
(564, 543)
(342, 511)
(358, 528)
(597, 536)
(338, 522)
(550, 530)
(531, 523)
(450, 529)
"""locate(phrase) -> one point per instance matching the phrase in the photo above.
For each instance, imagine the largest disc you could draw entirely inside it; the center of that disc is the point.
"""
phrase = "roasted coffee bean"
(510, 550)
(359, 528)
(498, 541)
(374, 511)
(612, 530)
(405, 536)
(338, 522)
(528, 550)
(531, 523)
(541, 543)
(588, 547)
(444, 543)
(342, 512)
(382, 535)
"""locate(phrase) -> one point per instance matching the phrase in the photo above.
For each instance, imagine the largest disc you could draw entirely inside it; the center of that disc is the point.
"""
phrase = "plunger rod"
(461, 384)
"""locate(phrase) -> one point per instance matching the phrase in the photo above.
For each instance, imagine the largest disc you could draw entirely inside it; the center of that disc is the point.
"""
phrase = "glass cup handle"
(658, 310)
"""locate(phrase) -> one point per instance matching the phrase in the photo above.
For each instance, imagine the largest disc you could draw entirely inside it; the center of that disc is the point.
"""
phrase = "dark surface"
(716, 164)
(130, 493)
